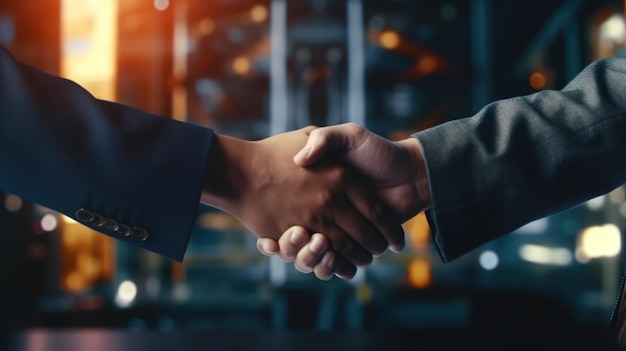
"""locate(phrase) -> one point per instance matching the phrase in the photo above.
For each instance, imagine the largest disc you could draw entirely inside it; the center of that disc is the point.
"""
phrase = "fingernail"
(396, 248)
(328, 260)
(317, 246)
(298, 238)
(263, 248)
(267, 248)
(342, 277)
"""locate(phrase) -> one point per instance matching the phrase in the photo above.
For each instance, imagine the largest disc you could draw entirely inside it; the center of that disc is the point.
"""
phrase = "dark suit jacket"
(131, 175)
(524, 158)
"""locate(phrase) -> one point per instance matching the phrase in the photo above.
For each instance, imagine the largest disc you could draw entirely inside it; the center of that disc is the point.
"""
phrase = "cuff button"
(111, 224)
(124, 230)
(140, 234)
(84, 215)
(98, 220)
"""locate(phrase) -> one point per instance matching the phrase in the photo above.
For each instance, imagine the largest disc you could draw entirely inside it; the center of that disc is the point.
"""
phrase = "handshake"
(328, 198)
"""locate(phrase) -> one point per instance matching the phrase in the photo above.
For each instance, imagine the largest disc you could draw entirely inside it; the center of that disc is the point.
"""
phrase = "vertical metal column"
(481, 53)
(356, 63)
(278, 98)
(278, 67)
(278, 124)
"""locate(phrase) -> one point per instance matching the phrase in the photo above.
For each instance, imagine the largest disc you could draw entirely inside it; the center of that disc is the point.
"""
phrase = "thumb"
(339, 138)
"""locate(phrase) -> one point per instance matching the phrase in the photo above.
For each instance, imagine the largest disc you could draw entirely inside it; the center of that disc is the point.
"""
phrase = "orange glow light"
(427, 64)
(242, 65)
(389, 39)
(12, 203)
(206, 26)
(419, 275)
(537, 80)
(74, 282)
(89, 39)
(418, 232)
(259, 13)
(87, 257)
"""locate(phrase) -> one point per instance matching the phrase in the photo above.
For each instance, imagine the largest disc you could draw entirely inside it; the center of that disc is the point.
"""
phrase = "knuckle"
(347, 249)
(309, 130)
(318, 222)
(337, 175)
(377, 213)
(325, 198)
(354, 128)
(314, 220)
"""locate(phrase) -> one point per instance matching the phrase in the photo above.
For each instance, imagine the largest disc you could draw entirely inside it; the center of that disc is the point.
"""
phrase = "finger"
(343, 243)
(380, 217)
(326, 267)
(324, 140)
(311, 254)
(344, 269)
(291, 242)
(363, 232)
(267, 246)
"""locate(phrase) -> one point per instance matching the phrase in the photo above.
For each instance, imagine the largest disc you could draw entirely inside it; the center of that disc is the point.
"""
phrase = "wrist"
(418, 170)
(226, 178)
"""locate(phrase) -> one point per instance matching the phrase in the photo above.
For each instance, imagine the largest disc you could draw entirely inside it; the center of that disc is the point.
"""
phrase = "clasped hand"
(356, 197)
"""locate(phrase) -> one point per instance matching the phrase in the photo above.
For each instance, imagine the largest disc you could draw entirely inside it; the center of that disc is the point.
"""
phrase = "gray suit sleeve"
(524, 158)
(131, 175)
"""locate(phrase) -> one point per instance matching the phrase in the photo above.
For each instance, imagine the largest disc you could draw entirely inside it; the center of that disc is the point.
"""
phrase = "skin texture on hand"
(395, 170)
(259, 183)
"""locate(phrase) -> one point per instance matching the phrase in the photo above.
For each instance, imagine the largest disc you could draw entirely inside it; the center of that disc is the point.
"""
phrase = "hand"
(259, 183)
(310, 253)
(394, 169)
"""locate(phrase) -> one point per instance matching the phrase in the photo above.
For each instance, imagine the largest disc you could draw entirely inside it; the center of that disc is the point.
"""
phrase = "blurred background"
(254, 68)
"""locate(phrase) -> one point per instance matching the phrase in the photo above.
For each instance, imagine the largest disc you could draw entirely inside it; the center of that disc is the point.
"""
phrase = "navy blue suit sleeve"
(65, 150)
(525, 158)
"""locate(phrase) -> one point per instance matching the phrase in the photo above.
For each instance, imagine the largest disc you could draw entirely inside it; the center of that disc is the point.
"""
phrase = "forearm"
(64, 149)
(524, 158)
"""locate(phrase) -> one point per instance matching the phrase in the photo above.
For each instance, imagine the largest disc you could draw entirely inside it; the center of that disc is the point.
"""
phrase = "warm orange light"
(537, 80)
(13, 203)
(389, 39)
(427, 64)
(89, 41)
(87, 257)
(178, 272)
(71, 238)
(418, 232)
(206, 26)
(419, 274)
(242, 65)
(259, 13)
(74, 282)
(88, 266)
